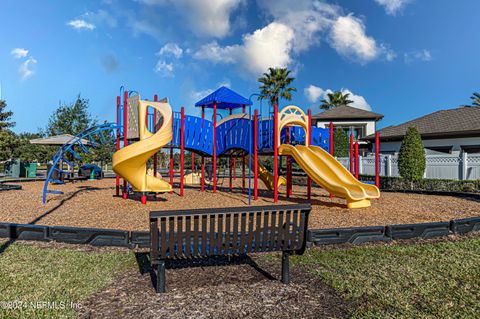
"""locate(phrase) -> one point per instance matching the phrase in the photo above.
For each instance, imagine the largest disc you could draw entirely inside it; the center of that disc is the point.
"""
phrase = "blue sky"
(401, 58)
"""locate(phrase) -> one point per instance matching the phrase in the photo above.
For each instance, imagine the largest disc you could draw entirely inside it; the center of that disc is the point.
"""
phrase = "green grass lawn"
(430, 280)
(31, 276)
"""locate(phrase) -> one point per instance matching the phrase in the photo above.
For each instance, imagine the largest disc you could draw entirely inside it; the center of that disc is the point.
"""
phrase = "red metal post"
(182, 149)
(309, 137)
(288, 167)
(155, 156)
(255, 155)
(243, 173)
(125, 141)
(215, 147)
(351, 154)
(117, 147)
(377, 159)
(356, 160)
(332, 147)
(203, 159)
(234, 168)
(331, 139)
(275, 153)
(171, 169)
(230, 161)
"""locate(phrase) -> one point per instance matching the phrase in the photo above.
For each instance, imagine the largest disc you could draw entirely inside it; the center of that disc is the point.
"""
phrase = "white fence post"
(388, 168)
(360, 165)
(464, 166)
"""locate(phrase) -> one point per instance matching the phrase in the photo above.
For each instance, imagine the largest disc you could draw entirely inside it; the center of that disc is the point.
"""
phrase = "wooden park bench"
(235, 231)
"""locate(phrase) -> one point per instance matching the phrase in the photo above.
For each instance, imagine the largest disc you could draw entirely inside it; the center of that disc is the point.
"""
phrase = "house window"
(358, 131)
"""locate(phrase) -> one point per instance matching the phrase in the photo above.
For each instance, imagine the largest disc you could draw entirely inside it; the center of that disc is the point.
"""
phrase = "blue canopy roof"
(225, 98)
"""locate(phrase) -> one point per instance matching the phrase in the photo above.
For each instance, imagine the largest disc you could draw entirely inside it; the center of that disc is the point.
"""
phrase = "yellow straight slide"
(130, 162)
(329, 174)
(266, 177)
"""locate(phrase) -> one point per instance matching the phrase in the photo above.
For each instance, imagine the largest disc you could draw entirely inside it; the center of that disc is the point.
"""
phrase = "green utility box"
(12, 168)
(32, 170)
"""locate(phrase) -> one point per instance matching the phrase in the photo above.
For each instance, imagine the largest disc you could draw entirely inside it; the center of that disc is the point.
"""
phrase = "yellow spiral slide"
(130, 162)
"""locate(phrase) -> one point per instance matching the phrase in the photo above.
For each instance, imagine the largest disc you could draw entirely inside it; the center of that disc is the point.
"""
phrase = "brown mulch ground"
(93, 204)
(223, 291)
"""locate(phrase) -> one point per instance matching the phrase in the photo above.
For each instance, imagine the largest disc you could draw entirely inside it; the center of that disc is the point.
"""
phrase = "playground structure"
(144, 127)
(152, 126)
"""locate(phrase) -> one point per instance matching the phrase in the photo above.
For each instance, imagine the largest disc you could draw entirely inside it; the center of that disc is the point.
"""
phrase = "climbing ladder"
(96, 135)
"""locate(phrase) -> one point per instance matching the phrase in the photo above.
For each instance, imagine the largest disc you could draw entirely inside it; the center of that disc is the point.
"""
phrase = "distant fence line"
(457, 167)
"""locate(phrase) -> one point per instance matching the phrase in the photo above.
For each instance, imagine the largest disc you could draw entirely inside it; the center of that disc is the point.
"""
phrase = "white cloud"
(215, 53)
(392, 7)
(80, 24)
(26, 68)
(206, 18)
(314, 94)
(19, 53)
(418, 55)
(270, 46)
(171, 49)
(164, 69)
(306, 18)
(349, 39)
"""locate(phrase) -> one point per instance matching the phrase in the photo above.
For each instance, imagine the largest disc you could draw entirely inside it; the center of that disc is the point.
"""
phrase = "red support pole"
(309, 139)
(215, 147)
(182, 149)
(332, 147)
(255, 155)
(125, 141)
(234, 168)
(203, 159)
(171, 169)
(331, 139)
(155, 156)
(377, 158)
(243, 173)
(230, 161)
(117, 147)
(275, 153)
(356, 160)
(287, 164)
(351, 154)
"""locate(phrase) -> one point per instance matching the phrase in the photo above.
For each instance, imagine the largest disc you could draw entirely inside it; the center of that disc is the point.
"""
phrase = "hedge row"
(400, 184)
(437, 185)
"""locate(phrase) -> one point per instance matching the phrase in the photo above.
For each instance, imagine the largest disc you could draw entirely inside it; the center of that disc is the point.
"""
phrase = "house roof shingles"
(462, 121)
(346, 112)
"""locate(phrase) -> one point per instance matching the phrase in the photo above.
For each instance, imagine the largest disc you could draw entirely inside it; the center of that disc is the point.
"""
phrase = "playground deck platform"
(94, 204)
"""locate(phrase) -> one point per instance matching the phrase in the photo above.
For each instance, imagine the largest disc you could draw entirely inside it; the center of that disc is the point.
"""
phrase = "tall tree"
(411, 159)
(475, 99)
(5, 116)
(70, 118)
(275, 85)
(335, 99)
(8, 145)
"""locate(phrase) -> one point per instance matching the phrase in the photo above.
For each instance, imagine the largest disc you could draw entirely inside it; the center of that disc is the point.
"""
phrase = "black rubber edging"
(354, 235)
(141, 239)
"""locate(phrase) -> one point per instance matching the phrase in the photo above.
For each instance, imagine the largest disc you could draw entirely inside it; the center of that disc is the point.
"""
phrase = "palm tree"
(335, 99)
(275, 84)
(475, 99)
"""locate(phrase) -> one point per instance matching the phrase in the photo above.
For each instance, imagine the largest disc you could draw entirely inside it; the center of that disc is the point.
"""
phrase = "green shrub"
(341, 144)
(411, 159)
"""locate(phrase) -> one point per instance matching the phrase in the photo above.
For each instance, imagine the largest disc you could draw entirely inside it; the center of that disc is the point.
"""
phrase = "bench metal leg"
(285, 268)
(160, 268)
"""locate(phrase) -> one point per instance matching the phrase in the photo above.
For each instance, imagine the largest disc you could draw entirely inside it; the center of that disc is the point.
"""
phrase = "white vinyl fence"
(459, 167)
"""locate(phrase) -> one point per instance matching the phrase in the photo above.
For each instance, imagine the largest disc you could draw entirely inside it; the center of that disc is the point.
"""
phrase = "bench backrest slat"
(233, 231)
